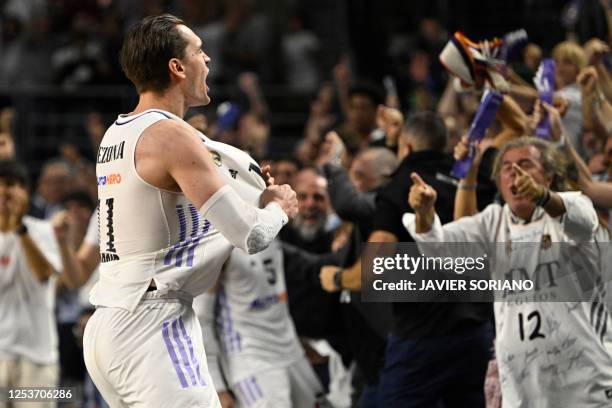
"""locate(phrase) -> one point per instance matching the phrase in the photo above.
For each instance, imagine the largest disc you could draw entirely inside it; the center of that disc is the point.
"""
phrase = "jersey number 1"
(110, 252)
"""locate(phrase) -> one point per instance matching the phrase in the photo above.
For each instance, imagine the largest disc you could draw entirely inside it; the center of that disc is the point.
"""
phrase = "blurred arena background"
(283, 74)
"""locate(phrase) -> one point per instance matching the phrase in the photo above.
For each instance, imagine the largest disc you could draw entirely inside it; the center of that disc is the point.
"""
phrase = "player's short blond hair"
(571, 51)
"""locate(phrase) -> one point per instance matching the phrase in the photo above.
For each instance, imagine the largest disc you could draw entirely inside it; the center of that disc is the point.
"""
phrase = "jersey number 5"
(270, 271)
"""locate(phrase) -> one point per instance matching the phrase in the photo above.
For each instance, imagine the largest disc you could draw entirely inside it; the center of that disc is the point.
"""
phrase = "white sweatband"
(245, 226)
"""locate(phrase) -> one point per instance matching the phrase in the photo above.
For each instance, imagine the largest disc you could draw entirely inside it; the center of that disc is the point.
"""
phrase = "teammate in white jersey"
(550, 354)
(173, 205)
(264, 363)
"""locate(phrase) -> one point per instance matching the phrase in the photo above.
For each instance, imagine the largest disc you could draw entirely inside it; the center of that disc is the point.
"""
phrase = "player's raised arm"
(171, 156)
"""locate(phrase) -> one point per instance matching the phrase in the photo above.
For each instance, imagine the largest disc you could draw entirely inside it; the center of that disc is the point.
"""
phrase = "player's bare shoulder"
(167, 140)
(161, 147)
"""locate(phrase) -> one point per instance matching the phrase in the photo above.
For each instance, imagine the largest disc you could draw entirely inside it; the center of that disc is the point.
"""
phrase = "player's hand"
(422, 196)
(226, 399)
(525, 186)
(326, 276)
(267, 175)
(284, 196)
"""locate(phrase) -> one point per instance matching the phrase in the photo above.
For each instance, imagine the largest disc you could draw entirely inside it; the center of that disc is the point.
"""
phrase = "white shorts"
(153, 357)
(293, 386)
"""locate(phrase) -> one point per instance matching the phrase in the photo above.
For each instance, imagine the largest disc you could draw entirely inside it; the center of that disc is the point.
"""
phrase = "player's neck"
(167, 101)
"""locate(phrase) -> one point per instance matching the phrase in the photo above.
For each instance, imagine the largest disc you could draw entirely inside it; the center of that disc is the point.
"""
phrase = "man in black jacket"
(437, 353)
(353, 197)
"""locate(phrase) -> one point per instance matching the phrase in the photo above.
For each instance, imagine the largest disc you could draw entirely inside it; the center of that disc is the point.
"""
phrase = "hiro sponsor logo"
(111, 179)
(267, 301)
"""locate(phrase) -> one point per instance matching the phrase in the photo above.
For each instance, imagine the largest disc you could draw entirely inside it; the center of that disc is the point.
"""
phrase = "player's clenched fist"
(525, 186)
(284, 196)
(422, 196)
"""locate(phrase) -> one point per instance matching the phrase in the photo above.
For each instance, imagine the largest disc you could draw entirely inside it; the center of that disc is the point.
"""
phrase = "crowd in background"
(362, 125)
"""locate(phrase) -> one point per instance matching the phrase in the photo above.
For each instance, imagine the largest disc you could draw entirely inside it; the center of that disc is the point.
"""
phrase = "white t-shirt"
(572, 120)
(550, 354)
(92, 237)
(27, 320)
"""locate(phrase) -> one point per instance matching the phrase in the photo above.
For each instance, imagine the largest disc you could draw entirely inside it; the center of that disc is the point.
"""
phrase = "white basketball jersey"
(147, 233)
(552, 354)
(253, 316)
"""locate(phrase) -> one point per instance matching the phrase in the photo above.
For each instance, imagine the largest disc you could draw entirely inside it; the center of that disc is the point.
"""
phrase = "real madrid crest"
(546, 241)
(216, 157)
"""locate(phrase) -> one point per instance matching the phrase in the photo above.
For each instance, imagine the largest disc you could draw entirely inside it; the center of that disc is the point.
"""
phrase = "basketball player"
(550, 354)
(264, 363)
(173, 205)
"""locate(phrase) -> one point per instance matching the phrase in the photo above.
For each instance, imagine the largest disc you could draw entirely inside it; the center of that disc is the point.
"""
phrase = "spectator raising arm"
(13, 221)
(513, 120)
(347, 202)
(598, 191)
(465, 198)
(71, 275)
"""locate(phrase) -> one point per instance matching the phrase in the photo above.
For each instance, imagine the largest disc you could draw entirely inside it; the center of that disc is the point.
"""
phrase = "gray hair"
(384, 161)
(553, 162)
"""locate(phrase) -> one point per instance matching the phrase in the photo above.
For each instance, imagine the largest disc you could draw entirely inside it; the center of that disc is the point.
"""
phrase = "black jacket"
(420, 320)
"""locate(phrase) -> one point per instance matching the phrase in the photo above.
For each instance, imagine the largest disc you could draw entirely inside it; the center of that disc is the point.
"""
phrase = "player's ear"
(176, 68)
